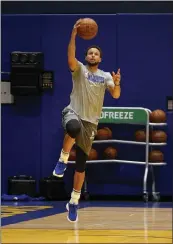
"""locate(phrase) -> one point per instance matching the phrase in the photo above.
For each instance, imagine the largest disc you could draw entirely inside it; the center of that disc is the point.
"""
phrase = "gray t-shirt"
(88, 92)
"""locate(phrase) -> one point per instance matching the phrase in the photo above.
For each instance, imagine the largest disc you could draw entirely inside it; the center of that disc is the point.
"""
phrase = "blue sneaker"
(72, 212)
(59, 169)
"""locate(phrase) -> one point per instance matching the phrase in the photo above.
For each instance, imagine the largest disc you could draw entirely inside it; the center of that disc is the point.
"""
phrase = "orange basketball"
(140, 136)
(156, 156)
(158, 136)
(92, 155)
(88, 29)
(157, 116)
(72, 156)
(103, 134)
(109, 132)
(110, 153)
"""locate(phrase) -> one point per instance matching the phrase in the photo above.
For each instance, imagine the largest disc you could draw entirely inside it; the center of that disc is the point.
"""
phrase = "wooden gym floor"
(99, 222)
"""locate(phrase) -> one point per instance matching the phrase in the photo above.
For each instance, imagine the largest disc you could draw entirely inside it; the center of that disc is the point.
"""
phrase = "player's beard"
(92, 64)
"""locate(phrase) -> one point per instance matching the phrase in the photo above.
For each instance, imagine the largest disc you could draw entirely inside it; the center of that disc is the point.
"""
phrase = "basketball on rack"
(103, 134)
(93, 155)
(110, 153)
(158, 136)
(72, 156)
(157, 116)
(140, 136)
(88, 29)
(156, 156)
(109, 132)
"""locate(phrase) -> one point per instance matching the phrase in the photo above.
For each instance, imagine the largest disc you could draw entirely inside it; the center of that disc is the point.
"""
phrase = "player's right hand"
(76, 26)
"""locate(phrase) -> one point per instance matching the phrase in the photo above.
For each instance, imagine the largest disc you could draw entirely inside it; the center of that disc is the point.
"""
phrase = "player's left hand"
(116, 77)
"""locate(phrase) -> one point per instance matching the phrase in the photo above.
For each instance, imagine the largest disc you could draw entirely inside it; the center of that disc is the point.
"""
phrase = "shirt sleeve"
(109, 81)
(77, 71)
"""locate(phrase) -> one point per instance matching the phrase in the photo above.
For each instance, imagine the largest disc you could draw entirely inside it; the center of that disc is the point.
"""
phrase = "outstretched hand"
(116, 77)
(76, 26)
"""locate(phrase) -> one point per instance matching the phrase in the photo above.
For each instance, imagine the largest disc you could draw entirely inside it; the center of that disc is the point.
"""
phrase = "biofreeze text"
(117, 115)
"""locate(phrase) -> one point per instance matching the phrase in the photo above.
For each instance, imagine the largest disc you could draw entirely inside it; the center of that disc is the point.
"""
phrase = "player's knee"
(73, 128)
(80, 168)
(81, 158)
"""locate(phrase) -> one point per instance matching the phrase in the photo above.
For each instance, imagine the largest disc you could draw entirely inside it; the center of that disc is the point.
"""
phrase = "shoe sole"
(60, 176)
(67, 215)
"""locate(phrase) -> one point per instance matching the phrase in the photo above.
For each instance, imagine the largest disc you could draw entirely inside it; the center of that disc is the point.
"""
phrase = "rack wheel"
(86, 196)
(156, 196)
(145, 196)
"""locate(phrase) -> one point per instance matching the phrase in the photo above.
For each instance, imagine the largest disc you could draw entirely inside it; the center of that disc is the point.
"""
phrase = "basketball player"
(80, 118)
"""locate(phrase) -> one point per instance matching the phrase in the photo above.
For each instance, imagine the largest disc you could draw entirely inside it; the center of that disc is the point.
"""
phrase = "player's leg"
(84, 144)
(72, 127)
(79, 176)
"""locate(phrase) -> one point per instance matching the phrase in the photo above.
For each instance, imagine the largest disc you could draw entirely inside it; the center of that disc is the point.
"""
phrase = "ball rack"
(135, 116)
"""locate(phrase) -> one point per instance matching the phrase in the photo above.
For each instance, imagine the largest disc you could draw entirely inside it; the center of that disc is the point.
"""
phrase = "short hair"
(94, 46)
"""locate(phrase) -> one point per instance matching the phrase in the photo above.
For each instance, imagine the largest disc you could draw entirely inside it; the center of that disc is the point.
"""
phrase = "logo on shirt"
(94, 78)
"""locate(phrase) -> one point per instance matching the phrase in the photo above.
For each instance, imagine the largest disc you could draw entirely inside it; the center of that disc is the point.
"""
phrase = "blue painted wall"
(141, 45)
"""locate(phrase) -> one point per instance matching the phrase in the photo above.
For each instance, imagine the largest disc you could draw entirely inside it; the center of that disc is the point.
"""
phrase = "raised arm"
(72, 61)
(115, 89)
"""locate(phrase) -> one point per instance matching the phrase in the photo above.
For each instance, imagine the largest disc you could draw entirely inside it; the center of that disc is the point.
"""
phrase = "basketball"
(109, 132)
(158, 136)
(92, 155)
(158, 116)
(110, 153)
(140, 136)
(103, 134)
(88, 29)
(156, 156)
(72, 156)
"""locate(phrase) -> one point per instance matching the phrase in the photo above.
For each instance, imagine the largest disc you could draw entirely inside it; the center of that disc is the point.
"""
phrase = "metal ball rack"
(130, 115)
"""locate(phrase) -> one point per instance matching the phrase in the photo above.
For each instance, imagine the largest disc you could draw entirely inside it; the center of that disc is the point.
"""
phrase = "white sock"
(75, 196)
(64, 156)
